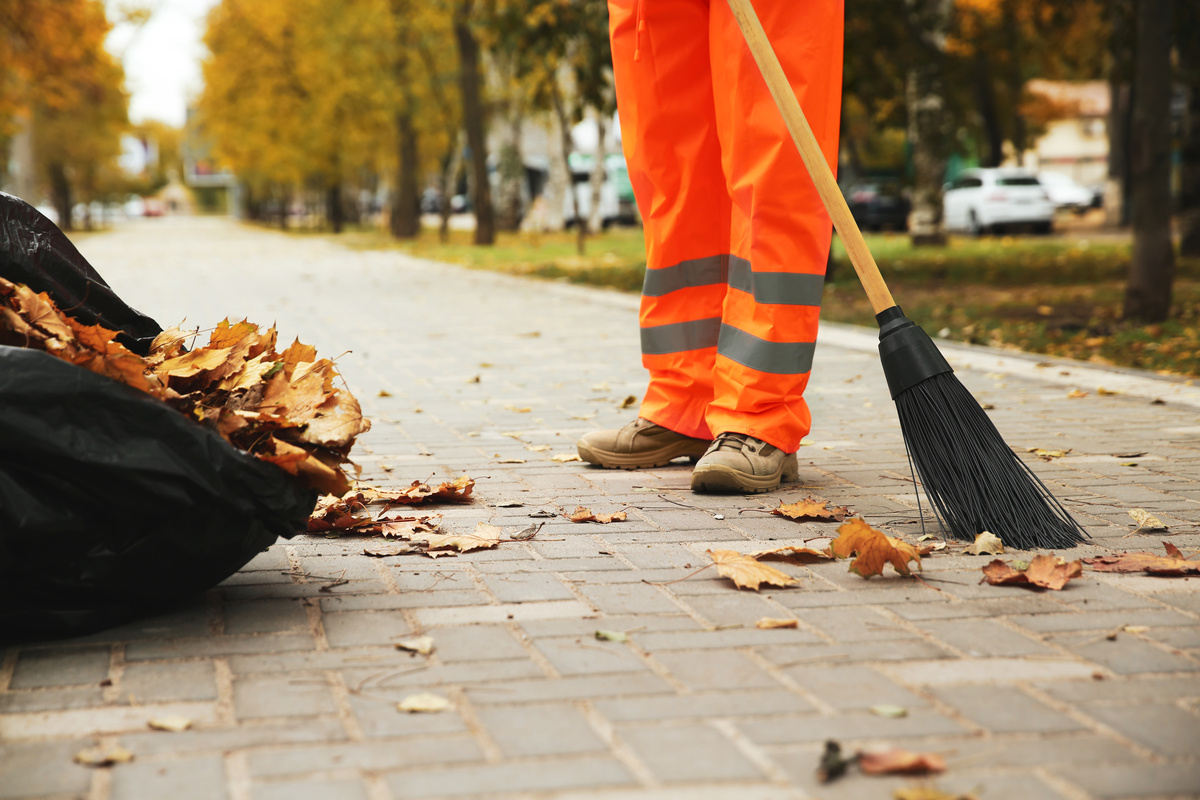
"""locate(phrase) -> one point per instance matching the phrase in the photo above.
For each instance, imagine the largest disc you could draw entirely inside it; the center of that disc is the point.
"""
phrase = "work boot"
(638, 445)
(738, 463)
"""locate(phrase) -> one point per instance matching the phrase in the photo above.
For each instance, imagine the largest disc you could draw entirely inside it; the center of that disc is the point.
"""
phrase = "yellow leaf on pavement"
(424, 703)
(874, 549)
(985, 543)
(173, 724)
(485, 536)
(814, 508)
(769, 623)
(746, 572)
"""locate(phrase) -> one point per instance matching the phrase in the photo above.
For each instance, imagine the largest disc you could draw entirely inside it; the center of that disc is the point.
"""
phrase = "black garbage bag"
(113, 504)
(33, 251)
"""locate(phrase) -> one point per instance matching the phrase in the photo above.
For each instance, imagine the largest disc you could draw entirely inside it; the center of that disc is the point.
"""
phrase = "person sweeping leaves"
(736, 235)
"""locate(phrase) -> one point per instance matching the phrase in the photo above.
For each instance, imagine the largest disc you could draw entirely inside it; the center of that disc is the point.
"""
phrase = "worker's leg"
(780, 230)
(669, 131)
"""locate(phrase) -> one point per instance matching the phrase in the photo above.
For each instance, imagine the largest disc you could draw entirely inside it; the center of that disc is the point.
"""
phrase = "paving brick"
(572, 687)
(191, 779)
(1129, 689)
(51, 699)
(845, 653)
(690, 752)
(60, 667)
(381, 602)
(265, 616)
(729, 608)
(1102, 620)
(526, 587)
(981, 638)
(637, 625)
(981, 608)
(1127, 655)
(540, 730)
(417, 674)
(722, 638)
(633, 598)
(723, 703)
(849, 728)
(363, 756)
(438, 579)
(854, 687)
(217, 646)
(585, 656)
(293, 695)
(311, 790)
(42, 768)
(1165, 729)
(475, 642)
(493, 779)
(1160, 780)
(375, 710)
(216, 740)
(854, 624)
(714, 669)
(356, 628)
(157, 683)
(1004, 709)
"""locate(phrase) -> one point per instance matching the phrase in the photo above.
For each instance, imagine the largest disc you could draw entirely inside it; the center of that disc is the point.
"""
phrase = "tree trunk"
(333, 207)
(511, 171)
(985, 95)
(1187, 42)
(451, 166)
(1120, 118)
(1148, 292)
(1016, 80)
(928, 123)
(60, 194)
(474, 121)
(564, 129)
(406, 213)
(599, 173)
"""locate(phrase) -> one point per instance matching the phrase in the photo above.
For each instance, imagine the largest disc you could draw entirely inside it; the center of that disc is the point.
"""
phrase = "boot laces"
(738, 441)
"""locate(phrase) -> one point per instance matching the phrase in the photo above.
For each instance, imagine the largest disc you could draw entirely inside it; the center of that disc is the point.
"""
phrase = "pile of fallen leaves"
(282, 407)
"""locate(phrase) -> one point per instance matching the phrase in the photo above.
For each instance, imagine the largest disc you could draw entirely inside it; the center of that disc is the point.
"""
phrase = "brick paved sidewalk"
(1091, 692)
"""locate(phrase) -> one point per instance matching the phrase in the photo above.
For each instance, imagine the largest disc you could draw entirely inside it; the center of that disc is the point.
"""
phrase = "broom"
(973, 479)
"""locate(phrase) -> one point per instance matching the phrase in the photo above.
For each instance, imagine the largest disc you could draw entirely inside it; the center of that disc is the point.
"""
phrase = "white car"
(1066, 193)
(983, 200)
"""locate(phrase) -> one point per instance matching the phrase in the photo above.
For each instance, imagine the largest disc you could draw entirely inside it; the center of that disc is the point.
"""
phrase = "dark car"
(878, 205)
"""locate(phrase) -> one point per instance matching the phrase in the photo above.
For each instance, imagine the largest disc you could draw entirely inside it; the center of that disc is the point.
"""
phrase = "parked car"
(1066, 193)
(878, 205)
(983, 200)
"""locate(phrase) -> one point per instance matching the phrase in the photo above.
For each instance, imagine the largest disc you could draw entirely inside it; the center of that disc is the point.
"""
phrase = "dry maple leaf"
(1045, 572)
(1146, 521)
(770, 623)
(811, 508)
(874, 549)
(793, 554)
(485, 536)
(1173, 564)
(900, 762)
(746, 572)
(582, 514)
(986, 543)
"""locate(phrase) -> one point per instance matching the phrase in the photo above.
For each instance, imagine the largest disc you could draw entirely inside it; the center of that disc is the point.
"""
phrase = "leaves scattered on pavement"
(874, 549)
(485, 537)
(811, 508)
(747, 572)
(1173, 564)
(1042, 572)
(583, 514)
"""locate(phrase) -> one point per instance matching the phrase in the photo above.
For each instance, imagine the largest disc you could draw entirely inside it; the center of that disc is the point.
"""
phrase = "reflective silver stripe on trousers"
(679, 337)
(776, 288)
(778, 358)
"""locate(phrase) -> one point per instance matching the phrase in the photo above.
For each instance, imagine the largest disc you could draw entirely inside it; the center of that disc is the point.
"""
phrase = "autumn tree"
(58, 80)
(297, 94)
(475, 120)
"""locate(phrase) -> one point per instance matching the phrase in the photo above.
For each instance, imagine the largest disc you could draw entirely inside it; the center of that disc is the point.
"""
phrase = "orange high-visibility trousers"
(736, 236)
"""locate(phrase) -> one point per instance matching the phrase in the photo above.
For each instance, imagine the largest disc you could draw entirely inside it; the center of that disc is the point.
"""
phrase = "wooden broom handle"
(810, 152)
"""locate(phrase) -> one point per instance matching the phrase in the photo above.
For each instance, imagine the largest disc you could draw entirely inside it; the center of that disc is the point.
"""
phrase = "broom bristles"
(974, 480)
